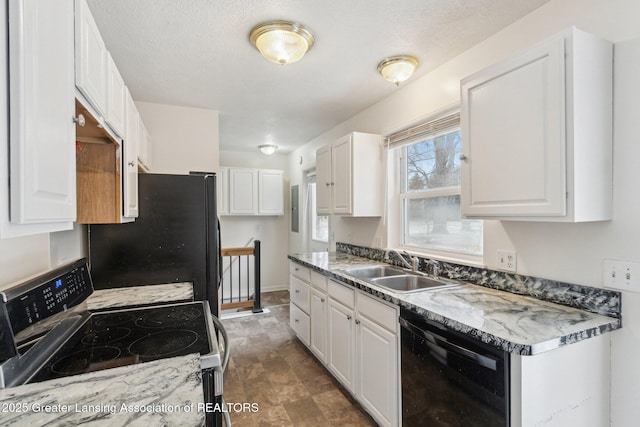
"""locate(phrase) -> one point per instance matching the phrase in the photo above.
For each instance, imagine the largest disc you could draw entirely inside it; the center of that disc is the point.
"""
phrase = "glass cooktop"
(125, 337)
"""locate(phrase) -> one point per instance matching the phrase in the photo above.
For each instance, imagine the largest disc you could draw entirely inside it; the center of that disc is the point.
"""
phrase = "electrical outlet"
(622, 275)
(507, 261)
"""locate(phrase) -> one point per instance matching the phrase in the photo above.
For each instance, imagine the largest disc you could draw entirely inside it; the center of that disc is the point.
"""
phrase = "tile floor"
(270, 367)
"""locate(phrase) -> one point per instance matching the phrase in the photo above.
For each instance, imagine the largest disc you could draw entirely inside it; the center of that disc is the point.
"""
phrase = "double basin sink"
(397, 280)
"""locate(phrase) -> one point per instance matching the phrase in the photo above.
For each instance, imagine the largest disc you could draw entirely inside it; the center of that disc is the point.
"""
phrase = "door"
(116, 98)
(91, 59)
(323, 180)
(41, 103)
(342, 343)
(270, 192)
(342, 175)
(130, 159)
(319, 324)
(378, 371)
(242, 191)
(513, 136)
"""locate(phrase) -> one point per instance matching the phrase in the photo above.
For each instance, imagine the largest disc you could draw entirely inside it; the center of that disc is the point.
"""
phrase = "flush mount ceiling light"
(397, 68)
(268, 149)
(282, 42)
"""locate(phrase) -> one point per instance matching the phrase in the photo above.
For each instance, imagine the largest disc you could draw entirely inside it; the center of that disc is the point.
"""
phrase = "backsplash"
(595, 300)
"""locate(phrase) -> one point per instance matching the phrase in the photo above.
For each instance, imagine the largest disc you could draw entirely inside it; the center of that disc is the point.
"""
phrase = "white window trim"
(396, 230)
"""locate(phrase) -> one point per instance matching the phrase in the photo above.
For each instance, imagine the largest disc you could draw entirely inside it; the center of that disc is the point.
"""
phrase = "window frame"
(313, 213)
(403, 196)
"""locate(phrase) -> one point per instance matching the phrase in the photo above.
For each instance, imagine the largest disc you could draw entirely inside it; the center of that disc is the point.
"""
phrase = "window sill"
(455, 258)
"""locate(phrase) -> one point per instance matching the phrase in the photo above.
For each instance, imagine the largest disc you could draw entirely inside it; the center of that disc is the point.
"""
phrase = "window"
(430, 195)
(319, 223)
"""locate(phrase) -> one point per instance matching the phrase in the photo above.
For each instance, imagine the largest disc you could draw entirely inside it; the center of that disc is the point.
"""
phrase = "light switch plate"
(621, 275)
(507, 261)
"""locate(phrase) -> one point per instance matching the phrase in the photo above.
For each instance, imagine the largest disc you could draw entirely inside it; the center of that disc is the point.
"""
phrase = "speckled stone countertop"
(140, 295)
(519, 324)
(165, 392)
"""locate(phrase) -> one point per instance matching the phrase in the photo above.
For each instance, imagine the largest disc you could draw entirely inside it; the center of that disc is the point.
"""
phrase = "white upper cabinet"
(42, 188)
(251, 191)
(323, 180)
(270, 192)
(349, 176)
(222, 179)
(130, 159)
(91, 59)
(537, 133)
(116, 96)
(243, 191)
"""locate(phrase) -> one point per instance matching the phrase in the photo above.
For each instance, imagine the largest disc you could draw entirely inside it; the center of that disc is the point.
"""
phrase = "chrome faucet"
(413, 265)
(435, 267)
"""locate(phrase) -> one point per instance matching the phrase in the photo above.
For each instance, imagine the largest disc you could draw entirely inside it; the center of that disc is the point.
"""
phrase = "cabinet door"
(116, 98)
(41, 108)
(341, 173)
(378, 371)
(319, 324)
(130, 159)
(323, 180)
(270, 192)
(513, 136)
(243, 199)
(299, 322)
(223, 191)
(342, 344)
(91, 59)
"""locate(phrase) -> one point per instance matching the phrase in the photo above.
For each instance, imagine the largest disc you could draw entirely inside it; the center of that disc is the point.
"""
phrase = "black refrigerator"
(174, 239)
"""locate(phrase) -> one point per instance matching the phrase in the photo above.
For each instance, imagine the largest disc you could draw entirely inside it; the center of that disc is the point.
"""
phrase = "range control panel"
(47, 295)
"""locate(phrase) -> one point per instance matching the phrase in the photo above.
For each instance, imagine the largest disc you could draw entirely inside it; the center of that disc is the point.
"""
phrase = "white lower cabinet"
(342, 344)
(318, 317)
(299, 321)
(354, 335)
(377, 364)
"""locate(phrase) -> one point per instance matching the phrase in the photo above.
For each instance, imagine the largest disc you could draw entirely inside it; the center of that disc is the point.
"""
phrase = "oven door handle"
(479, 359)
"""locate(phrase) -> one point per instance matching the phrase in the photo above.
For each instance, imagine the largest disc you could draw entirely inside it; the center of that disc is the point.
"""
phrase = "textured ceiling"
(196, 53)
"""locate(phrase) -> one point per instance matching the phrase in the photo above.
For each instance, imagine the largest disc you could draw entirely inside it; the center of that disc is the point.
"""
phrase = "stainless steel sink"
(410, 283)
(367, 273)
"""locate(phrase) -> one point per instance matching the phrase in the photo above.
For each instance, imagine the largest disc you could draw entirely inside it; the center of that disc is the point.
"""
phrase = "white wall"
(272, 231)
(566, 252)
(183, 139)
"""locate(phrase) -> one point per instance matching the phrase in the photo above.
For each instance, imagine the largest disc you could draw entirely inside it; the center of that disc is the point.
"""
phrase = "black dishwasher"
(449, 379)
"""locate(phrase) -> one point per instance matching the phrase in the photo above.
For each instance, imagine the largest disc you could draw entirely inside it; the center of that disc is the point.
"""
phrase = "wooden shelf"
(98, 173)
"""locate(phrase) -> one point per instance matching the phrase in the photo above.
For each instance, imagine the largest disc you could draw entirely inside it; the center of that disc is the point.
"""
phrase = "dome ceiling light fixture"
(282, 42)
(268, 149)
(397, 69)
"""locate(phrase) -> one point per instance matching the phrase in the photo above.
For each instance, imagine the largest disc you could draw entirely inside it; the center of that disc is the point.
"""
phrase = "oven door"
(448, 380)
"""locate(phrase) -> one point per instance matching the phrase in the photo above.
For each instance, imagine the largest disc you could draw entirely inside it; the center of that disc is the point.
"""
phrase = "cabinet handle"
(357, 322)
(131, 164)
(327, 184)
(321, 299)
(296, 320)
(297, 291)
(463, 157)
(333, 183)
(348, 317)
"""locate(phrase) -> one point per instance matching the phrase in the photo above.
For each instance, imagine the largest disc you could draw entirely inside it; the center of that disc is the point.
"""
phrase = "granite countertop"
(519, 324)
(163, 392)
(140, 295)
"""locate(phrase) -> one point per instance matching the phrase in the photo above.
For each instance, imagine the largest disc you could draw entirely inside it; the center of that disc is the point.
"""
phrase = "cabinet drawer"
(378, 312)
(299, 293)
(319, 281)
(299, 271)
(342, 293)
(299, 322)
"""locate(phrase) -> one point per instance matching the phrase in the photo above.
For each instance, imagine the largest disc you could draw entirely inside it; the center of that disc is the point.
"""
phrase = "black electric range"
(52, 335)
